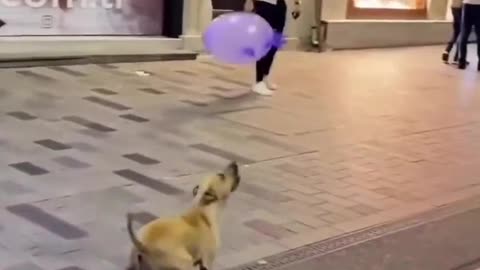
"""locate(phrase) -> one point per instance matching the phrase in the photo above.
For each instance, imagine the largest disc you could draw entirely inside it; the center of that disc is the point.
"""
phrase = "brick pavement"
(351, 140)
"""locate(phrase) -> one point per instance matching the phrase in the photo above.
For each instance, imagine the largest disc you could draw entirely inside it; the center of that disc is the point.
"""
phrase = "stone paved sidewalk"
(351, 140)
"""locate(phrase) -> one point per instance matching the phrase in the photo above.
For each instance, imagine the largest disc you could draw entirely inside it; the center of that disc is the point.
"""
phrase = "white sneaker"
(270, 85)
(262, 89)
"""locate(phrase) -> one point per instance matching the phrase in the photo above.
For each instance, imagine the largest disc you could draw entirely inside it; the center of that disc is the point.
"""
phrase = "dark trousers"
(276, 16)
(457, 27)
(471, 19)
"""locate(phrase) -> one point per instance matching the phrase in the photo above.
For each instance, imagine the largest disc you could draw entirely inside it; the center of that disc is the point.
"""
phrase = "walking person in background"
(275, 13)
(456, 9)
(471, 19)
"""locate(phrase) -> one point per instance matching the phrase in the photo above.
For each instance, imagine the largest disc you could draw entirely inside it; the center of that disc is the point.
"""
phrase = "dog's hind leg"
(200, 265)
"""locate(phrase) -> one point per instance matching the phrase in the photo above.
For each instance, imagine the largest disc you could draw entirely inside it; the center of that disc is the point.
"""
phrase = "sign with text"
(80, 17)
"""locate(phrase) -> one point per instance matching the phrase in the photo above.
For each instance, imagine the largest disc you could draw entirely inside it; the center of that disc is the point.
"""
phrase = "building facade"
(178, 24)
(346, 23)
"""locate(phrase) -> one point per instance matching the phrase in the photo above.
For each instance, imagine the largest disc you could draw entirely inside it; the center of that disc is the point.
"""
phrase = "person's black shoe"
(445, 57)
(462, 65)
(455, 62)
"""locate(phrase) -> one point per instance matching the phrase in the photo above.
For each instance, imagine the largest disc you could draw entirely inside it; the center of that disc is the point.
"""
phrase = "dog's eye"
(221, 176)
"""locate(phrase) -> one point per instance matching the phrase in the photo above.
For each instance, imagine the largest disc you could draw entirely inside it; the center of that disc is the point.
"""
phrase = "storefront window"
(387, 9)
(80, 17)
(389, 4)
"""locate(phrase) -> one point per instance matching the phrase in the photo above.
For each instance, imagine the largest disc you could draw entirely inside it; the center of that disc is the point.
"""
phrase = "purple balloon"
(239, 38)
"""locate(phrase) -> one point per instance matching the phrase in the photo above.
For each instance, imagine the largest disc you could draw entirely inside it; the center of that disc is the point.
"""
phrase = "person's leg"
(456, 13)
(269, 60)
(260, 70)
(278, 26)
(457, 28)
(477, 33)
(468, 20)
(266, 11)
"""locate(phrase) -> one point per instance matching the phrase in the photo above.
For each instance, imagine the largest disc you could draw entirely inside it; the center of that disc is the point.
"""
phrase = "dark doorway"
(173, 18)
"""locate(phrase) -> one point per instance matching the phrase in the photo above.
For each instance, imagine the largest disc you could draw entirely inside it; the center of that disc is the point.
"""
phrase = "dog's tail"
(133, 237)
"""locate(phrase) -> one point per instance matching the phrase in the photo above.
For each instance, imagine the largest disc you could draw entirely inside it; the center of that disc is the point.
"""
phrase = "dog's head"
(217, 187)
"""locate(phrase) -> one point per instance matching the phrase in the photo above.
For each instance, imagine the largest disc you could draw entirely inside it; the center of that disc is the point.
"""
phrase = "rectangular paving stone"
(205, 163)
(196, 102)
(29, 168)
(395, 193)
(107, 103)
(68, 71)
(364, 209)
(220, 88)
(238, 110)
(134, 117)
(222, 153)
(217, 65)
(336, 200)
(180, 90)
(47, 221)
(263, 193)
(71, 162)
(151, 91)
(334, 218)
(24, 266)
(53, 145)
(22, 115)
(298, 227)
(232, 81)
(104, 91)
(186, 72)
(295, 195)
(310, 220)
(169, 79)
(234, 94)
(35, 75)
(141, 159)
(149, 182)
(274, 143)
(267, 228)
(94, 133)
(296, 170)
(84, 147)
(88, 124)
(302, 188)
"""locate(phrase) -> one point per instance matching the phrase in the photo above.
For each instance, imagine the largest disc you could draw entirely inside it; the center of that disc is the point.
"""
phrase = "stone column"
(334, 9)
(437, 9)
(197, 14)
(291, 27)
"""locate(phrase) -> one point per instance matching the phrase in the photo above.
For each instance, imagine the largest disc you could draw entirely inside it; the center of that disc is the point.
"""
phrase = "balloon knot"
(279, 40)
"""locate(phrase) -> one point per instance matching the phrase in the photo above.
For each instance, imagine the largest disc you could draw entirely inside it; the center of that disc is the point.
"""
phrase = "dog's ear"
(195, 190)
(232, 169)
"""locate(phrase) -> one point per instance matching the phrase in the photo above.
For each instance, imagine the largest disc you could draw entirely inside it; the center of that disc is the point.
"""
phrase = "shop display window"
(387, 9)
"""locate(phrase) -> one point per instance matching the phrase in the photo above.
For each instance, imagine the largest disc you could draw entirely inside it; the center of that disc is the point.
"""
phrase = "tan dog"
(189, 240)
